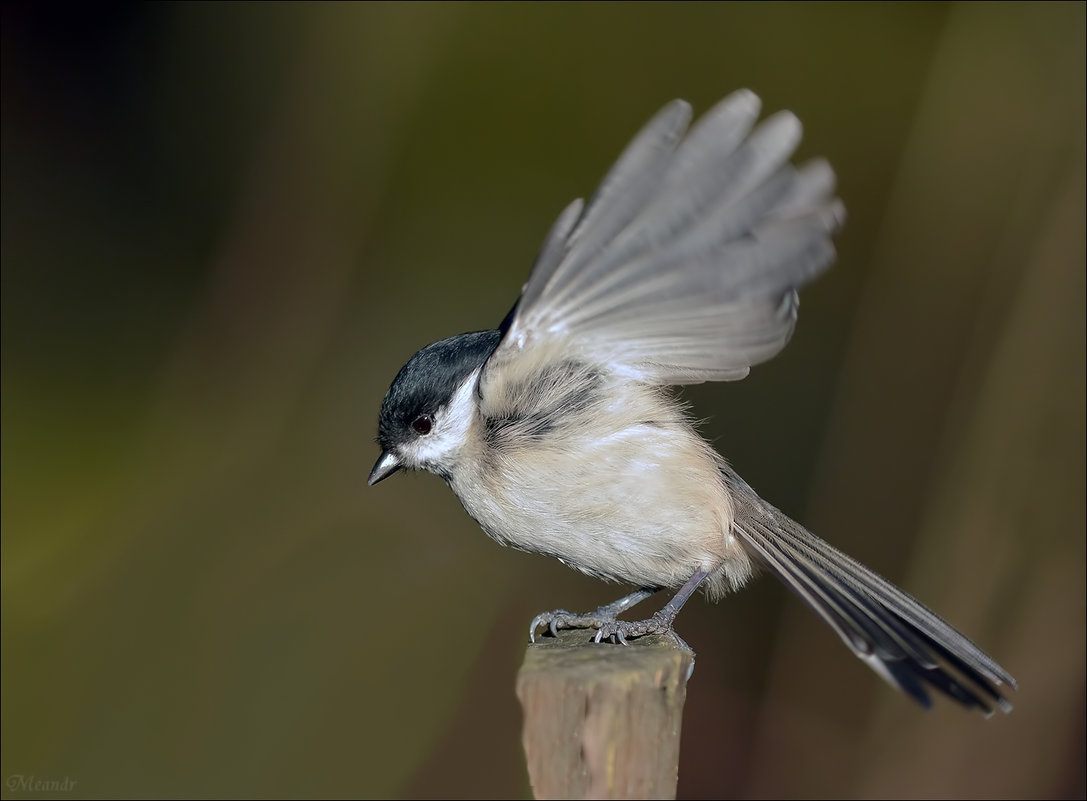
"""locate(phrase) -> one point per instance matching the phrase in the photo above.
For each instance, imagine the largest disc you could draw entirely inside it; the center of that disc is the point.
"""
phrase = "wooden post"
(603, 721)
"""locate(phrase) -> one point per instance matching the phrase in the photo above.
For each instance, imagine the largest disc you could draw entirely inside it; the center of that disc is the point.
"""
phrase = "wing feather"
(684, 265)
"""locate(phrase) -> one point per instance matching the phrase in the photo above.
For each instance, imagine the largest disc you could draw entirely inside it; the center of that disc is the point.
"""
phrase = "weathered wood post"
(603, 721)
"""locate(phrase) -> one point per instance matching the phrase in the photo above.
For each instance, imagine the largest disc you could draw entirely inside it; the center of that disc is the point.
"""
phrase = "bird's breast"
(625, 491)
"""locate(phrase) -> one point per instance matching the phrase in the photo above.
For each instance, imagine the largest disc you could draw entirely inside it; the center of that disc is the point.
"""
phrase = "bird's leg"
(661, 621)
(561, 619)
(606, 619)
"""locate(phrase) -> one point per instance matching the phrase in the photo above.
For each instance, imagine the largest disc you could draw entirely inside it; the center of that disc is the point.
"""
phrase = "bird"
(561, 435)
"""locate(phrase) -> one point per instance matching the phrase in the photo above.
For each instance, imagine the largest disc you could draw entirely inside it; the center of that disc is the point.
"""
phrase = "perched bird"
(560, 437)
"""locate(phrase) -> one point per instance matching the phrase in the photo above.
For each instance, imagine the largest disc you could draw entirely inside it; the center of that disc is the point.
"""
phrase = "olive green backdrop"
(225, 227)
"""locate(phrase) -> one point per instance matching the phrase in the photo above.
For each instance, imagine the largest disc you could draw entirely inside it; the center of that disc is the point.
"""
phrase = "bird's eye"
(422, 424)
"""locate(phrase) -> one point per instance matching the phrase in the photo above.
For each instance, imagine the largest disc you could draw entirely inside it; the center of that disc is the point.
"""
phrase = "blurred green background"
(224, 229)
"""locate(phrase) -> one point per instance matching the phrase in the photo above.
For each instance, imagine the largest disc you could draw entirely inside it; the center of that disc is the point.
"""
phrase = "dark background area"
(225, 227)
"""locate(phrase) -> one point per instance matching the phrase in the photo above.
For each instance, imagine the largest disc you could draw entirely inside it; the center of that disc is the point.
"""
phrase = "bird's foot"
(562, 619)
(623, 630)
(605, 622)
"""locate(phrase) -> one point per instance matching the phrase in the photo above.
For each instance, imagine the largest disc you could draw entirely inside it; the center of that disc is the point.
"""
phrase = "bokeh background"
(224, 229)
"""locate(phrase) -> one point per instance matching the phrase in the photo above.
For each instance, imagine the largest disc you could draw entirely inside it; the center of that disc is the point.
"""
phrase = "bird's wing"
(683, 267)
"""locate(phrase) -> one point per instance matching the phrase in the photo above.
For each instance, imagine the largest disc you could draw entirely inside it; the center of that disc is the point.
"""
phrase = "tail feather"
(900, 638)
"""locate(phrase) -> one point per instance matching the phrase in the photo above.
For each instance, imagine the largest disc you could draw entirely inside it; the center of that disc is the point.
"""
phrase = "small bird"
(558, 431)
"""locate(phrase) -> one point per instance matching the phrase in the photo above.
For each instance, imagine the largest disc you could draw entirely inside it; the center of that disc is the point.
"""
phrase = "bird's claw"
(614, 639)
(561, 619)
(621, 631)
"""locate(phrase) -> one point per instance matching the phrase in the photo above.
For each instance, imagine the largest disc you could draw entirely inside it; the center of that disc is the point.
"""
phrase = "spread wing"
(684, 265)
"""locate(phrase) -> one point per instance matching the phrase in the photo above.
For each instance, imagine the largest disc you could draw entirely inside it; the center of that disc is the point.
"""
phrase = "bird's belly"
(635, 516)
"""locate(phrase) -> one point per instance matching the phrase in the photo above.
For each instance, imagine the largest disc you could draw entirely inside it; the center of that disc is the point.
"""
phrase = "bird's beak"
(386, 464)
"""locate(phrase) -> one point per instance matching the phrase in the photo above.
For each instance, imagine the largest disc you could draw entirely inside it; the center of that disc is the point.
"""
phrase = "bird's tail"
(900, 638)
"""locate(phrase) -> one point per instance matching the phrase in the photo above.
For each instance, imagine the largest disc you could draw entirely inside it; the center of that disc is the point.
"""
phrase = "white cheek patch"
(451, 425)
